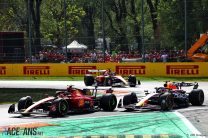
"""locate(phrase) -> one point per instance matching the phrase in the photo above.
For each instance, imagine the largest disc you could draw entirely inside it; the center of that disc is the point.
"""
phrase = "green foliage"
(120, 24)
(13, 16)
(172, 20)
(53, 20)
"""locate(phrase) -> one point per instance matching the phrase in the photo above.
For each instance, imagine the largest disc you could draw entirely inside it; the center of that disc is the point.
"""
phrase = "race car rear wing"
(187, 84)
(96, 70)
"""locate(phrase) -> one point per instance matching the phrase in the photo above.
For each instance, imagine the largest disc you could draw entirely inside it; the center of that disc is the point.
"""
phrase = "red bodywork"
(71, 100)
(77, 99)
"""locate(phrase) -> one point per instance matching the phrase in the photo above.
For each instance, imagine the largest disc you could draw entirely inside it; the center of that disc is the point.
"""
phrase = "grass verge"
(12, 95)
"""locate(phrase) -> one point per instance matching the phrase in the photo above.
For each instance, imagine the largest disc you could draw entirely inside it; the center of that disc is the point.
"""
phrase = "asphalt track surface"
(196, 115)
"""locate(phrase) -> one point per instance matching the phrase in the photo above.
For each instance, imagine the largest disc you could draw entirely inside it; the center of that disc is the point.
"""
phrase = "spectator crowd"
(53, 56)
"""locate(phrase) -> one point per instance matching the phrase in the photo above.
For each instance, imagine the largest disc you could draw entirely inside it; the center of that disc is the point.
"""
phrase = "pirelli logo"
(79, 70)
(126, 70)
(2, 70)
(36, 70)
(182, 70)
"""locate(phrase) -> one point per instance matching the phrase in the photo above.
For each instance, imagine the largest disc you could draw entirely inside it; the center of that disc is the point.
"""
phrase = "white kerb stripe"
(189, 125)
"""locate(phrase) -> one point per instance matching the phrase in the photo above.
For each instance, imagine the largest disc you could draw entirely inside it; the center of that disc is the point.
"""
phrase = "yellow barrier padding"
(175, 69)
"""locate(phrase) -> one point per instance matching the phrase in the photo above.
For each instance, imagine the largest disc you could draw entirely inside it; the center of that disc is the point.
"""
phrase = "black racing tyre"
(108, 81)
(166, 101)
(24, 103)
(130, 99)
(89, 79)
(132, 80)
(196, 97)
(108, 102)
(59, 107)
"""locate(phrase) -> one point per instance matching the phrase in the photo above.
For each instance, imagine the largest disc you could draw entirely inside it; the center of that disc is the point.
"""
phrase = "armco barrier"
(176, 69)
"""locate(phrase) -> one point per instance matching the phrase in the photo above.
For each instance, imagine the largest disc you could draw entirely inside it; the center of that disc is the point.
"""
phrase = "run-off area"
(156, 123)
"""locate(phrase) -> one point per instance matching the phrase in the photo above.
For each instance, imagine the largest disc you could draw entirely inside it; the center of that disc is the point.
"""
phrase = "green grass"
(12, 95)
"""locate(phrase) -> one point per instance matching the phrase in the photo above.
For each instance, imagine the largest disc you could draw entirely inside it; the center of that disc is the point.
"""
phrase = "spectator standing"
(41, 56)
(34, 60)
(164, 57)
(94, 57)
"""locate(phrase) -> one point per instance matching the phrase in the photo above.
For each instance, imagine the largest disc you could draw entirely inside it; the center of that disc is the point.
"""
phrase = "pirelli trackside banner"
(189, 69)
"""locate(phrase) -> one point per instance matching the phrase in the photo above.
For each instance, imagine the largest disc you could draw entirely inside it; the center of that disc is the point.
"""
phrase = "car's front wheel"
(108, 102)
(166, 101)
(130, 99)
(24, 103)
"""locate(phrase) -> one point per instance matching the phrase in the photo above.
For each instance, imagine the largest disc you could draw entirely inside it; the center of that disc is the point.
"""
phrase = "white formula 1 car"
(109, 79)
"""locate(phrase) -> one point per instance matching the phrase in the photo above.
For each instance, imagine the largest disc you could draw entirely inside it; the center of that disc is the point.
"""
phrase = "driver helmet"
(170, 85)
(69, 88)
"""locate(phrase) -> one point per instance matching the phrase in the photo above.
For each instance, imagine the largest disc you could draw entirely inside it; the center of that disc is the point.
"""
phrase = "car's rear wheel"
(132, 80)
(166, 101)
(24, 103)
(89, 79)
(59, 107)
(196, 97)
(108, 102)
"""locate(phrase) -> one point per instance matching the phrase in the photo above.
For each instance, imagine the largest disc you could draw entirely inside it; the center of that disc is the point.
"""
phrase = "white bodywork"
(118, 77)
(36, 104)
(122, 79)
(143, 100)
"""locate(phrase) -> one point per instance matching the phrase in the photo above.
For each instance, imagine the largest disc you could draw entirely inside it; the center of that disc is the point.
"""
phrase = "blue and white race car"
(166, 98)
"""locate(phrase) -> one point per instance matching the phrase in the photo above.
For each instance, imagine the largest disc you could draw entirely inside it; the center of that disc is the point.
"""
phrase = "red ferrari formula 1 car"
(166, 98)
(108, 78)
(71, 100)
